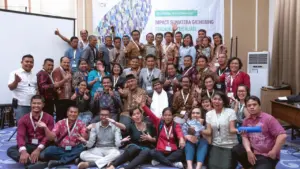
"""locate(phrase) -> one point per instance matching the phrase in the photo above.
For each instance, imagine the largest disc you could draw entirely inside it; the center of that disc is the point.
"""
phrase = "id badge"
(217, 64)
(182, 112)
(219, 86)
(74, 65)
(230, 94)
(35, 141)
(68, 148)
(168, 148)
(163, 60)
(149, 88)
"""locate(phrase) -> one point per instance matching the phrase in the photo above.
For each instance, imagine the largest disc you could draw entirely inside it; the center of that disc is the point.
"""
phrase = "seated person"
(168, 134)
(31, 139)
(160, 98)
(68, 134)
(260, 150)
(194, 141)
(140, 141)
(107, 137)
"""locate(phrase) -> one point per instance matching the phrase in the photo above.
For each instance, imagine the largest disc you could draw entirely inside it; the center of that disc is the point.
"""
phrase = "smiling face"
(187, 40)
(196, 113)
(241, 92)
(201, 34)
(132, 84)
(178, 38)
(65, 63)
(82, 86)
(234, 65)
(171, 70)
(27, 64)
(167, 116)
(187, 61)
(116, 69)
(150, 62)
(106, 82)
(48, 66)
(217, 102)
(134, 63)
(72, 113)
(185, 83)
(217, 40)
(209, 83)
(83, 66)
(37, 105)
(157, 87)
(222, 59)
(125, 41)
(168, 38)
(158, 39)
(104, 114)
(201, 63)
(150, 38)
(206, 104)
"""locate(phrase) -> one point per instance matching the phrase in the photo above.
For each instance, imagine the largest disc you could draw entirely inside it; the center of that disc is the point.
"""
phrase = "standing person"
(95, 77)
(62, 76)
(118, 81)
(260, 150)
(188, 69)
(222, 69)
(74, 54)
(178, 36)
(219, 47)
(236, 77)
(129, 96)
(90, 53)
(104, 51)
(220, 124)
(149, 48)
(201, 33)
(169, 135)
(23, 84)
(81, 74)
(208, 89)
(31, 140)
(126, 40)
(106, 136)
(194, 141)
(68, 134)
(187, 48)
(149, 73)
(159, 52)
(135, 48)
(160, 98)
(206, 48)
(46, 85)
(83, 42)
(183, 101)
(170, 49)
(117, 55)
(82, 99)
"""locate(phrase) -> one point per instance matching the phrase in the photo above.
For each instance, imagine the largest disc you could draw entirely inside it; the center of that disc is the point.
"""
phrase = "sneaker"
(154, 162)
(38, 165)
(178, 164)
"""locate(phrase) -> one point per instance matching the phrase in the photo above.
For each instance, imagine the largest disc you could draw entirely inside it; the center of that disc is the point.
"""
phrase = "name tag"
(35, 141)
(149, 88)
(230, 94)
(182, 112)
(163, 60)
(219, 86)
(217, 64)
(168, 148)
(74, 65)
(68, 148)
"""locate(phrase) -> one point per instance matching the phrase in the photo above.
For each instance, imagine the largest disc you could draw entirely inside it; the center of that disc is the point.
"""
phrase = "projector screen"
(26, 33)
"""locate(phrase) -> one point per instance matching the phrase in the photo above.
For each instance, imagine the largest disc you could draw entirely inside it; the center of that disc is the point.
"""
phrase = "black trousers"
(167, 159)
(135, 155)
(49, 106)
(62, 108)
(239, 153)
(13, 152)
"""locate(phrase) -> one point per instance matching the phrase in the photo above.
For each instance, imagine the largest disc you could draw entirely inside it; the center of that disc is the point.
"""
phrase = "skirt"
(221, 158)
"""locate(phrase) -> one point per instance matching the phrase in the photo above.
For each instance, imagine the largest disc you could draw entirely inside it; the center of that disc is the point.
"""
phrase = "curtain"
(286, 45)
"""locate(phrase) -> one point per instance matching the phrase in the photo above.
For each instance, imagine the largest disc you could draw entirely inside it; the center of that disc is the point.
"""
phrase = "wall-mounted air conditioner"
(258, 70)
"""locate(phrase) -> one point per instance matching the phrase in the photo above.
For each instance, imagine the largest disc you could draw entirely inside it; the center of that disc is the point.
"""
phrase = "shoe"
(38, 165)
(178, 164)
(154, 162)
(83, 165)
(54, 163)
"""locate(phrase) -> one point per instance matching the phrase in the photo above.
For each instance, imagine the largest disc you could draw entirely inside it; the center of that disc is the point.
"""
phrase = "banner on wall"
(157, 16)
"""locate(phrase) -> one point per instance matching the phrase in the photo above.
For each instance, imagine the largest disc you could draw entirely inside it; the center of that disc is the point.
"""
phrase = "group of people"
(168, 103)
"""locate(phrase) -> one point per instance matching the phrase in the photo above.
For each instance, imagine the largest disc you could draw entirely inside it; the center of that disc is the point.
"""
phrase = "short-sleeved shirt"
(60, 129)
(263, 142)
(223, 137)
(26, 88)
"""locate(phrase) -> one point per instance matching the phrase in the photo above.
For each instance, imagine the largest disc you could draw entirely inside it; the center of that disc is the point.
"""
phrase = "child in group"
(194, 141)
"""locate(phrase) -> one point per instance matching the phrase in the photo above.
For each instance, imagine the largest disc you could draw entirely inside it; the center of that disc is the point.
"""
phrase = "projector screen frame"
(43, 15)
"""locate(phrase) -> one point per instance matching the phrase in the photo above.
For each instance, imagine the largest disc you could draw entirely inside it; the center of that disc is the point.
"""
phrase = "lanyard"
(241, 106)
(149, 75)
(184, 99)
(116, 80)
(217, 119)
(168, 134)
(209, 96)
(100, 76)
(231, 80)
(33, 125)
(74, 55)
(221, 73)
(136, 45)
(187, 71)
(70, 132)
(50, 76)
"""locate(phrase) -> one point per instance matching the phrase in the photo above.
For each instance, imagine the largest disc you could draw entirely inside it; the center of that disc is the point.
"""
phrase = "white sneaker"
(178, 164)
(154, 162)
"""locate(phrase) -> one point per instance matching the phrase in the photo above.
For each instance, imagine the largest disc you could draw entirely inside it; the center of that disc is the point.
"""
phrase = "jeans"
(20, 111)
(262, 162)
(85, 117)
(167, 159)
(135, 155)
(201, 147)
(60, 154)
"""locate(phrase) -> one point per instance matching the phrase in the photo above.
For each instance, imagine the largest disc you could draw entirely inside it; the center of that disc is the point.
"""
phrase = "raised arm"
(62, 37)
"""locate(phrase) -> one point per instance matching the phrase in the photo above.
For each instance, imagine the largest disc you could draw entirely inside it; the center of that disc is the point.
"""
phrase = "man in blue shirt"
(74, 54)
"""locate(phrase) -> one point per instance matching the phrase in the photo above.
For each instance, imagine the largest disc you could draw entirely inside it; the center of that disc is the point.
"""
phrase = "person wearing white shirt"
(187, 48)
(23, 84)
